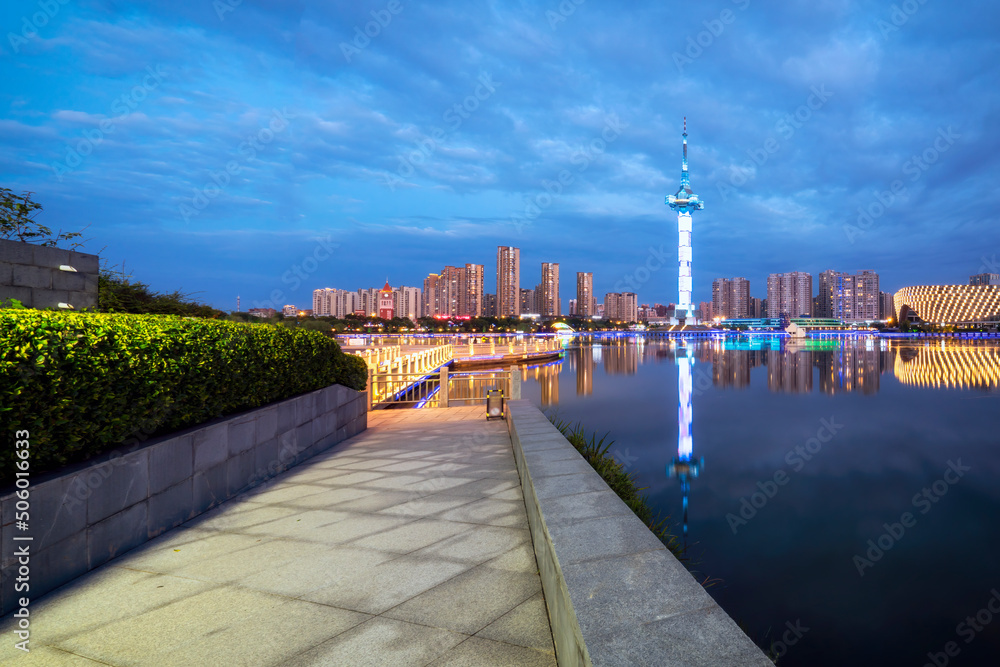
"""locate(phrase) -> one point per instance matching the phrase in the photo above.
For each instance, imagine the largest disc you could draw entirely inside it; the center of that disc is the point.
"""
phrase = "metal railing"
(440, 388)
(510, 347)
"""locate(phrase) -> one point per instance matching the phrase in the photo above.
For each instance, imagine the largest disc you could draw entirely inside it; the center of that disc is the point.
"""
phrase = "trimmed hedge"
(83, 383)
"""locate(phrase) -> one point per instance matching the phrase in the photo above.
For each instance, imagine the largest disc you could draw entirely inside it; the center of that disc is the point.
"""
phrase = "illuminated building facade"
(621, 306)
(951, 304)
(431, 306)
(790, 294)
(508, 281)
(853, 298)
(584, 294)
(472, 302)
(684, 202)
(730, 298)
(549, 300)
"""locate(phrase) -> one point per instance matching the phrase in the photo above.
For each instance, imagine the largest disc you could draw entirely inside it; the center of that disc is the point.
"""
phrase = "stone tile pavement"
(405, 545)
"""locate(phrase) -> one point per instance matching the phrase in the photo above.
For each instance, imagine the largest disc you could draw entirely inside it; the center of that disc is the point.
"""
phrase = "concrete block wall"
(615, 594)
(83, 518)
(31, 274)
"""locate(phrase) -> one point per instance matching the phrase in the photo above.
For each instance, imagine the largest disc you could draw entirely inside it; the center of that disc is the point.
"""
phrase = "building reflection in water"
(621, 355)
(547, 377)
(850, 365)
(965, 365)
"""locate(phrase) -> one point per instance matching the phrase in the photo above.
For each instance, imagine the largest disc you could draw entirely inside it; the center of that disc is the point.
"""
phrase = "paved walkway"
(406, 545)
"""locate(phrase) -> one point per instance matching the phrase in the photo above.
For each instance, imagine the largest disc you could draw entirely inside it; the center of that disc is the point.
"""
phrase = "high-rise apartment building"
(549, 305)
(584, 294)
(621, 306)
(408, 302)
(368, 301)
(472, 304)
(431, 300)
(323, 301)
(849, 297)
(572, 307)
(887, 310)
(527, 298)
(489, 305)
(730, 298)
(508, 281)
(452, 290)
(789, 294)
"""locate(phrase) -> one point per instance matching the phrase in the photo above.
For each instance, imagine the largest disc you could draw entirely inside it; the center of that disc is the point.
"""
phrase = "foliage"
(595, 452)
(82, 383)
(118, 293)
(17, 221)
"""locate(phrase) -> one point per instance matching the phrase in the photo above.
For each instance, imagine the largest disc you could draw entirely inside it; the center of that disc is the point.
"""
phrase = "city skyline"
(819, 140)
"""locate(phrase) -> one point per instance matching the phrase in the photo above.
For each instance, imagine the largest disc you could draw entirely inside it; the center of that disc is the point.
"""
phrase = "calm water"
(837, 439)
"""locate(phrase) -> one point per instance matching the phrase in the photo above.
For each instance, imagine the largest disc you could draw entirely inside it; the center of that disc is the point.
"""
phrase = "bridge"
(435, 371)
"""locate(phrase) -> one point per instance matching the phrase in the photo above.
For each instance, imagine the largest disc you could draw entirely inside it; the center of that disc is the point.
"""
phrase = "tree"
(17, 222)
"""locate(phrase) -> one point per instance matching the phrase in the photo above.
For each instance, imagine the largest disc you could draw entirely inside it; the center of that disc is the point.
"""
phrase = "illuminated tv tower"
(684, 202)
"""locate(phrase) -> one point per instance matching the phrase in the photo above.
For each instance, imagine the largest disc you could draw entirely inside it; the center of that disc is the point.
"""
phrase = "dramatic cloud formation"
(214, 145)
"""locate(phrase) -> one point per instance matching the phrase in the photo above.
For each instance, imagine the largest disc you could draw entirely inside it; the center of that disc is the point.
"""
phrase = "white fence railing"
(441, 388)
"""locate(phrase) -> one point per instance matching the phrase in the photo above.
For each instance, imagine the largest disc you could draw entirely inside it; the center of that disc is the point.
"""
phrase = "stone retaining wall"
(615, 594)
(83, 517)
(43, 277)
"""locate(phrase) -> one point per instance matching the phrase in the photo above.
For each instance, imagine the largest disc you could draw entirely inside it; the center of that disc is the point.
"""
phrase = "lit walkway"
(406, 545)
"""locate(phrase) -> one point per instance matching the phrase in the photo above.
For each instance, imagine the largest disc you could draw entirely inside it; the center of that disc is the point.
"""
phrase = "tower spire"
(685, 178)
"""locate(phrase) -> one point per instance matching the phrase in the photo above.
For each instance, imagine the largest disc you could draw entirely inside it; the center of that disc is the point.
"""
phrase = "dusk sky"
(219, 147)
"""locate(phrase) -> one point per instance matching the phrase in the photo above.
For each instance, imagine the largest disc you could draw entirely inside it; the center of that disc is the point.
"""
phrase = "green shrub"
(82, 383)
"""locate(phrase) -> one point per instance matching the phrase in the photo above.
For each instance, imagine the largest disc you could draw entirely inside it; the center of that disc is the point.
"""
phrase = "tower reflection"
(684, 467)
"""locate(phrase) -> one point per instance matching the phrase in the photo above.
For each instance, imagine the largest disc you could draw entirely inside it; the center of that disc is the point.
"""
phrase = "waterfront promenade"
(405, 545)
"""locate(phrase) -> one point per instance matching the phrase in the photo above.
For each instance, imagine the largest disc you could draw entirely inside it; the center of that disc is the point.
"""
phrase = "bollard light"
(494, 404)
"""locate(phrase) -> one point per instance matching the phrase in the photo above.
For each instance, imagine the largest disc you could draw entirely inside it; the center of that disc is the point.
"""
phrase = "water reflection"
(684, 467)
(941, 365)
(830, 366)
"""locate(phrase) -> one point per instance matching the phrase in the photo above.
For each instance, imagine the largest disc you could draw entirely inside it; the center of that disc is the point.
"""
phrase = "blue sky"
(269, 147)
